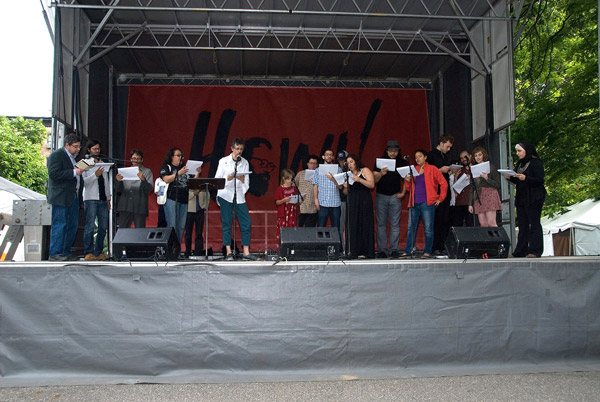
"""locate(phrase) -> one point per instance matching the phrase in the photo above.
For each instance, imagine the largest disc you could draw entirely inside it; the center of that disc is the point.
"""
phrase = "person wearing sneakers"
(235, 186)
(96, 203)
(423, 200)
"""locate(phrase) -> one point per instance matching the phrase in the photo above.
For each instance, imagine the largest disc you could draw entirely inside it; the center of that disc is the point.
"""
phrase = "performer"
(63, 185)
(308, 210)
(529, 199)
(388, 202)
(96, 203)
(225, 197)
(423, 200)
(439, 158)
(360, 206)
(286, 211)
(460, 211)
(327, 195)
(133, 199)
(484, 196)
(174, 172)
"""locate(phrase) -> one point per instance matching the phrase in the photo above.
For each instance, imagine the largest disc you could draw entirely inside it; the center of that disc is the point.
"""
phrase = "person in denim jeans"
(388, 202)
(96, 203)
(423, 200)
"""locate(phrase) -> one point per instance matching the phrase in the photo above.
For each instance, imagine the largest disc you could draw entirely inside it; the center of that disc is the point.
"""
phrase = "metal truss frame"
(334, 38)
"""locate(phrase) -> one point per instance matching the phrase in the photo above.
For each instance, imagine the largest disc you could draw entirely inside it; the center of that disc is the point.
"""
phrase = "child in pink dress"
(286, 211)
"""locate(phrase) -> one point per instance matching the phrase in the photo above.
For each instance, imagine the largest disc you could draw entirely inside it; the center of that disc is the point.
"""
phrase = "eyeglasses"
(136, 159)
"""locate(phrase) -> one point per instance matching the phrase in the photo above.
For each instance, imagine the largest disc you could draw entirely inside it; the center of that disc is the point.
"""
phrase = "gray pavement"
(573, 386)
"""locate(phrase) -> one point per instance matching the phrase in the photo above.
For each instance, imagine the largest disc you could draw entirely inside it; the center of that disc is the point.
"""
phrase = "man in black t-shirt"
(388, 202)
(439, 158)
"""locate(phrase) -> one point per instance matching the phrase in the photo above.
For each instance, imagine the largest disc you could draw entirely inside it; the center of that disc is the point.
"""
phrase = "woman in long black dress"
(529, 199)
(360, 206)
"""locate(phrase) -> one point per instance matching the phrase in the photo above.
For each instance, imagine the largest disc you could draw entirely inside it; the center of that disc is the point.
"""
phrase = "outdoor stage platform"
(101, 323)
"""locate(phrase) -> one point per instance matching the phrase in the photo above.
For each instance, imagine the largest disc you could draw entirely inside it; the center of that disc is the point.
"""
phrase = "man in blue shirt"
(63, 184)
(326, 194)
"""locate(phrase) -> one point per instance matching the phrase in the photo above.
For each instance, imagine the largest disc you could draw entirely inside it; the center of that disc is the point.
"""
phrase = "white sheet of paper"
(381, 163)
(105, 165)
(509, 172)
(295, 199)
(331, 168)
(455, 166)
(461, 183)
(243, 173)
(477, 170)
(129, 173)
(340, 178)
(309, 174)
(404, 170)
(192, 165)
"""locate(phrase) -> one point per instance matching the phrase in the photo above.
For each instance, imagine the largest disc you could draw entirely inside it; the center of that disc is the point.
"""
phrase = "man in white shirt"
(234, 186)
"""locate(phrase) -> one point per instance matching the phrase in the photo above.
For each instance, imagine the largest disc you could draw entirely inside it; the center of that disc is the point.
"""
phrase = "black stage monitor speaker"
(146, 243)
(311, 244)
(477, 242)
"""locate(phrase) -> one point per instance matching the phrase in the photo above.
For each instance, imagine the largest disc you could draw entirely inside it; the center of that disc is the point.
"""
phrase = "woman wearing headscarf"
(529, 199)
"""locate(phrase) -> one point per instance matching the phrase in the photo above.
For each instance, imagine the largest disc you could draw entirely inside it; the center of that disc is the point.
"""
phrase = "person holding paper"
(360, 236)
(423, 199)
(175, 173)
(388, 201)
(308, 210)
(225, 197)
(484, 197)
(460, 212)
(439, 158)
(63, 184)
(286, 210)
(132, 206)
(529, 199)
(96, 203)
(326, 192)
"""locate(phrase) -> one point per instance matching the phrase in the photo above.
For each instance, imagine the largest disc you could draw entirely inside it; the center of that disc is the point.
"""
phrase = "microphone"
(346, 165)
(239, 158)
(406, 158)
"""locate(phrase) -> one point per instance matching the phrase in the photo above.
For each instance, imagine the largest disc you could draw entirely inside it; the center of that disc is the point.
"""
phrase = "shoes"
(393, 254)
(89, 257)
(229, 257)
(101, 257)
(380, 254)
(439, 252)
(404, 255)
(361, 257)
(532, 256)
(249, 257)
(511, 256)
(426, 255)
(58, 257)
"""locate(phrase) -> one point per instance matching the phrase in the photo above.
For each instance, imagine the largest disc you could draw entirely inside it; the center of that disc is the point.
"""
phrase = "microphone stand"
(234, 248)
(347, 245)
(412, 199)
(300, 200)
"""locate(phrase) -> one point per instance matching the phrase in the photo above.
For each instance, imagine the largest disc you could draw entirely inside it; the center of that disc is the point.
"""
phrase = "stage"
(215, 321)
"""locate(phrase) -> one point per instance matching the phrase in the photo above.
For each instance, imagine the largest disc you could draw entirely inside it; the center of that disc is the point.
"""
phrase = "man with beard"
(308, 210)
(326, 194)
(439, 158)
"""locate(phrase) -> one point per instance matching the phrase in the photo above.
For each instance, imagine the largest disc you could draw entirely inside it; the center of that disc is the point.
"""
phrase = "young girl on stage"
(286, 211)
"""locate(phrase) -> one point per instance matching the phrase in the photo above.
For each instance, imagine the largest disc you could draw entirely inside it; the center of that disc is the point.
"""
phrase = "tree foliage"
(21, 159)
(556, 76)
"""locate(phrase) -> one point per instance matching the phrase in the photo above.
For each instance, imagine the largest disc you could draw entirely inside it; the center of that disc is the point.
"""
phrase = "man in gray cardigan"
(133, 194)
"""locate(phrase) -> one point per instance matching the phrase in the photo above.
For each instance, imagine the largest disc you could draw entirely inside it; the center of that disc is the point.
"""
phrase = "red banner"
(281, 126)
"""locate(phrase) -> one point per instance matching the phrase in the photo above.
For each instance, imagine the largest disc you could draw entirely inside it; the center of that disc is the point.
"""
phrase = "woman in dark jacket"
(530, 195)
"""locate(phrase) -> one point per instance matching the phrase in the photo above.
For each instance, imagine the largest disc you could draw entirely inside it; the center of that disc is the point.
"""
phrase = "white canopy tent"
(10, 192)
(582, 226)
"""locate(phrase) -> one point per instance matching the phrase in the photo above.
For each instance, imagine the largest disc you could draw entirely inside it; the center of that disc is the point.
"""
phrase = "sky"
(26, 59)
